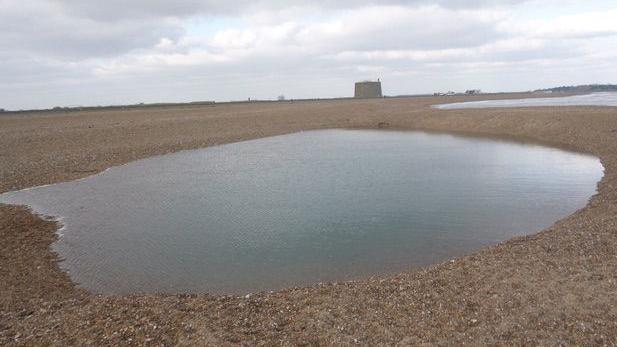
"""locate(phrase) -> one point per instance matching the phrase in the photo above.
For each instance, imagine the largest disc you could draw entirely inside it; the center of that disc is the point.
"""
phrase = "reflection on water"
(303, 208)
(595, 99)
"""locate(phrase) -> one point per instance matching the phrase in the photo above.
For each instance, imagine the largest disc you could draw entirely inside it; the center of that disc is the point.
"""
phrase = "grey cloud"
(112, 10)
(80, 29)
(43, 29)
(427, 29)
(88, 40)
(24, 70)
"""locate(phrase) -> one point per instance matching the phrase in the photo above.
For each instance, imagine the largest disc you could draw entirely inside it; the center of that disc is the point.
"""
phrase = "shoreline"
(585, 129)
(61, 225)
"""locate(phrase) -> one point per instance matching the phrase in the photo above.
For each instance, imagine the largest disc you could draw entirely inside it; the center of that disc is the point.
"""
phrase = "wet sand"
(556, 286)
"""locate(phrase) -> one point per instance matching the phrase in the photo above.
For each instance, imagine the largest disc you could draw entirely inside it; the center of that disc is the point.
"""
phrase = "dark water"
(594, 99)
(303, 208)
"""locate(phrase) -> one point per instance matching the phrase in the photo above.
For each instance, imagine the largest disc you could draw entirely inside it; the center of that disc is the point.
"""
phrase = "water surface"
(303, 208)
(595, 99)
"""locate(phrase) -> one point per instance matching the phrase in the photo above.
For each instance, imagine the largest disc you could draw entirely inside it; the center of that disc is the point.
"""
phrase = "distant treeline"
(567, 89)
(587, 88)
(178, 104)
(111, 107)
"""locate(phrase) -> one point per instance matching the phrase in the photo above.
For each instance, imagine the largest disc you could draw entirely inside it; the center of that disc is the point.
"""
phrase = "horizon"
(66, 53)
(351, 97)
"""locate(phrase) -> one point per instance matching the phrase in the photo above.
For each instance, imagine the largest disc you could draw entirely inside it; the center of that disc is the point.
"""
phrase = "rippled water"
(303, 208)
(595, 99)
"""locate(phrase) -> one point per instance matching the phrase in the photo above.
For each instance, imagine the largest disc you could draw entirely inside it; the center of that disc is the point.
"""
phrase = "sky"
(92, 52)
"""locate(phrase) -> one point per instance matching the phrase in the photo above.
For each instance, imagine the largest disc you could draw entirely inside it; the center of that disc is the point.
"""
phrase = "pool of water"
(303, 208)
(595, 99)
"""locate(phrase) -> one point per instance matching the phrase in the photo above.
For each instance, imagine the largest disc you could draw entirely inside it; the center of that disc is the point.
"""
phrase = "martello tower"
(368, 89)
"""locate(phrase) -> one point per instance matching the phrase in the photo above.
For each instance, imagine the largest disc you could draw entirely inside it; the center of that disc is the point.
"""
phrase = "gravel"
(556, 287)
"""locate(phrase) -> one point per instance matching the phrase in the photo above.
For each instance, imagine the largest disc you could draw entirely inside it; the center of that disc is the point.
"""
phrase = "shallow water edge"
(152, 157)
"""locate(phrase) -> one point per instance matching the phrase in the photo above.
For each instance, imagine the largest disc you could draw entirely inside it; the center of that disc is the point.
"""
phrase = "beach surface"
(557, 286)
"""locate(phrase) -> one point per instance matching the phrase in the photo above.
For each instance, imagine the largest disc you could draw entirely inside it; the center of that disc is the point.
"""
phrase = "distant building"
(473, 92)
(368, 89)
(448, 93)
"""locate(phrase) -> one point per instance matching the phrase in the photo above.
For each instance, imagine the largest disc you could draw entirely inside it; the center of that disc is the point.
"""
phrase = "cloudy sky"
(92, 52)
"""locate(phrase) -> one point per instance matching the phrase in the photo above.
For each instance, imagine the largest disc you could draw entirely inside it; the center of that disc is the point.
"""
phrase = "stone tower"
(368, 89)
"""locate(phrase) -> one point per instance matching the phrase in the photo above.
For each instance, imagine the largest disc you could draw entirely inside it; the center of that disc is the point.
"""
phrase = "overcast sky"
(92, 52)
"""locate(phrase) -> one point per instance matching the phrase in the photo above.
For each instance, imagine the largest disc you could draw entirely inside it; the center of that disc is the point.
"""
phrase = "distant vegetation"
(587, 88)
(112, 107)
(580, 89)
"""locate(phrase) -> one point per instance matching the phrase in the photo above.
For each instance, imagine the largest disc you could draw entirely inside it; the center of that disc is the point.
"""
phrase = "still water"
(304, 208)
(595, 99)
